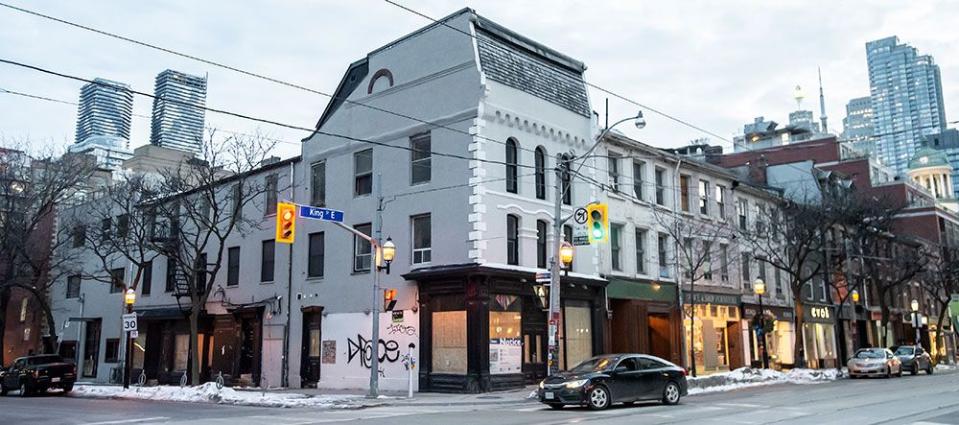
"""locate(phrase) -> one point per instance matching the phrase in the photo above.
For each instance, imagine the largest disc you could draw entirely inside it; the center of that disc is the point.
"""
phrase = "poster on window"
(505, 355)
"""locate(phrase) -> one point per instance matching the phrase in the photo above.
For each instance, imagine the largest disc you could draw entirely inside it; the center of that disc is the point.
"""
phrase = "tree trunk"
(194, 355)
(799, 351)
(692, 334)
(940, 339)
(884, 307)
(4, 301)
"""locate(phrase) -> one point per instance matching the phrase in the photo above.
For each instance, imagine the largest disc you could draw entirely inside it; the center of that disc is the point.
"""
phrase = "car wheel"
(671, 393)
(598, 398)
(915, 370)
(888, 372)
(555, 406)
(929, 369)
(67, 388)
(24, 390)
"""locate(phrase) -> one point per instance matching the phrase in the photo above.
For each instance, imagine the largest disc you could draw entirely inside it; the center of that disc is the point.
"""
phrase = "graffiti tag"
(400, 329)
(387, 351)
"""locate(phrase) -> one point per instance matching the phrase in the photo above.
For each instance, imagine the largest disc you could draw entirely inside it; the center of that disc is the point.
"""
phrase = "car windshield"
(870, 354)
(33, 361)
(904, 351)
(594, 364)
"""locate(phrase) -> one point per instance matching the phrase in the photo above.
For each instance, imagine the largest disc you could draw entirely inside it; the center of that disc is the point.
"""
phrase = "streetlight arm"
(596, 143)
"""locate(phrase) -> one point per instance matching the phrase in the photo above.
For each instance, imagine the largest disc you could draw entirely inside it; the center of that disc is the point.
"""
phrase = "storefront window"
(820, 345)
(181, 350)
(505, 344)
(449, 342)
(578, 329)
(138, 349)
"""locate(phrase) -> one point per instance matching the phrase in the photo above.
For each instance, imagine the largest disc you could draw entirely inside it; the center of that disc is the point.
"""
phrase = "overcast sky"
(714, 64)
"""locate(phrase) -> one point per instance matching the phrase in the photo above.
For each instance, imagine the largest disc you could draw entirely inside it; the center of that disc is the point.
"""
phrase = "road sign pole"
(552, 364)
(375, 308)
(127, 365)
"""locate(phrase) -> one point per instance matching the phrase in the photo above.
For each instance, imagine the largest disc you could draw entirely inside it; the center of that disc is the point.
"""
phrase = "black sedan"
(615, 378)
(35, 374)
(914, 359)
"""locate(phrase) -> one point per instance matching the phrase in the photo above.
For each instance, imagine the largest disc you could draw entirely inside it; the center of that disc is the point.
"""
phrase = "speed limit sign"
(130, 322)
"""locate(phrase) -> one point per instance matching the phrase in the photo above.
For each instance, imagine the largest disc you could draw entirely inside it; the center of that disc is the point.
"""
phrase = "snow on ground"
(944, 367)
(749, 377)
(208, 393)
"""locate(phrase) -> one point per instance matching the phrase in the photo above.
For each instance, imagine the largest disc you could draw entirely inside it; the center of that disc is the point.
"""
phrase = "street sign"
(318, 213)
(580, 238)
(542, 277)
(580, 216)
(134, 334)
(129, 322)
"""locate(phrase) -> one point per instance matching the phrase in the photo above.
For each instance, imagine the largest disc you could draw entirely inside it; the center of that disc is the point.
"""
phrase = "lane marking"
(742, 405)
(128, 421)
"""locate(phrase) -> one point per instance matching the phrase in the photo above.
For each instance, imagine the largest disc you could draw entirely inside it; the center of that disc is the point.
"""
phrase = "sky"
(716, 65)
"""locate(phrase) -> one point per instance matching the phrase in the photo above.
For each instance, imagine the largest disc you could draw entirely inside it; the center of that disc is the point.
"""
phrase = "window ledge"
(268, 282)
(314, 278)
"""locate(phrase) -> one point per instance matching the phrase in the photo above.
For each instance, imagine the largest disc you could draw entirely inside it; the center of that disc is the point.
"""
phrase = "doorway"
(659, 335)
(91, 349)
(310, 356)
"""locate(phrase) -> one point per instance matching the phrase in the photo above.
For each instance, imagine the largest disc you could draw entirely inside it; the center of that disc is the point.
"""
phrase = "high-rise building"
(178, 111)
(857, 125)
(906, 98)
(948, 143)
(103, 122)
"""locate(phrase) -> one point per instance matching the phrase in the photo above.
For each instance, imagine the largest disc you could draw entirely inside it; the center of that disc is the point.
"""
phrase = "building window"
(267, 260)
(112, 352)
(170, 275)
(684, 193)
(237, 204)
(640, 251)
(660, 186)
(724, 262)
(233, 266)
(201, 275)
(741, 210)
(422, 238)
(613, 170)
(105, 227)
(79, 236)
(363, 172)
(704, 197)
(318, 183)
(707, 260)
(747, 284)
(638, 169)
(73, 286)
(146, 280)
(271, 194)
(116, 281)
(721, 201)
(662, 242)
(512, 156)
(615, 246)
(568, 237)
(420, 159)
(541, 244)
(123, 225)
(362, 249)
(539, 158)
(567, 179)
(505, 328)
(449, 342)
(512, 239)
(317, 250)
(687, 259)
(779, 282)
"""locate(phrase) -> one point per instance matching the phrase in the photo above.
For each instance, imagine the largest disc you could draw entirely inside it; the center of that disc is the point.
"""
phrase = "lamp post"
(563, 167)
(759, 288)
(129, 298)
(915, 320)
(855, 296)
(381, 254)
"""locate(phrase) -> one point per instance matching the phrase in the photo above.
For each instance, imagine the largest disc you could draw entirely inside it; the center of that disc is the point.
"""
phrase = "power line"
(262, 120)
(245, 72)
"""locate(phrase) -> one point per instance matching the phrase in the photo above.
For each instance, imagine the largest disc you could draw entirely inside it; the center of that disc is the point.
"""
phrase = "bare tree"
(32, 187)
(701, 253)
(200, 204)
(940, 281)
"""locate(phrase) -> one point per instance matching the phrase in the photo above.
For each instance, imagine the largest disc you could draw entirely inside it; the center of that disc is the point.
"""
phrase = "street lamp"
(387, 253)
(129, 298)
(855, 296)
(915, 320)
(566, 252)
(759, 288)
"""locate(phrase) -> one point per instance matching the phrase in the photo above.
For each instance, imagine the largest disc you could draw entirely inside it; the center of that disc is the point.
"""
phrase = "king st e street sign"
(317, 213)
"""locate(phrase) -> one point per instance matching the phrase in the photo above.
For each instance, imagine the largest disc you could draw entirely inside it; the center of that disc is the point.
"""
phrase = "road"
(921, 400)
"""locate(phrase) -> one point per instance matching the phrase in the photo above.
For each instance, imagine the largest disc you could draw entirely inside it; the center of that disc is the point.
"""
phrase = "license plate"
(54, 379)
(548, 395)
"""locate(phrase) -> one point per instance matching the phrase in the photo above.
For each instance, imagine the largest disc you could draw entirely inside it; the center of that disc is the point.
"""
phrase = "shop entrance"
(310, 354)
(659, 335)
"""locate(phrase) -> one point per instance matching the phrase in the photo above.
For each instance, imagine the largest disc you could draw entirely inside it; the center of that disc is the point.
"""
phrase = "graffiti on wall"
(401, 329)
(388, 351)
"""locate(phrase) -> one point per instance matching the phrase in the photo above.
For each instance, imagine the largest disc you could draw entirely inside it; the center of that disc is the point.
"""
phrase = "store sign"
(819, 313)
(505, 355)
(719, 299)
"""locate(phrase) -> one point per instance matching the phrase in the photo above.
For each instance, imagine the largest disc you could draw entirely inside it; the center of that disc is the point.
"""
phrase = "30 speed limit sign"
(130, 322)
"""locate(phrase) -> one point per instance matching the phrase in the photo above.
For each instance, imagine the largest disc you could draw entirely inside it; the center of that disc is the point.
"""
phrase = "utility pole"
(285, 373)
(554, 285)
(374, 307)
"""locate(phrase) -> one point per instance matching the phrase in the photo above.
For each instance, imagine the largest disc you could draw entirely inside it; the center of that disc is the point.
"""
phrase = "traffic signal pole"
(552, 363)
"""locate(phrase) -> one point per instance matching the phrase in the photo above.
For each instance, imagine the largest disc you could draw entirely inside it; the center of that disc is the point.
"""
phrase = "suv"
(38, 373)
(914, 359)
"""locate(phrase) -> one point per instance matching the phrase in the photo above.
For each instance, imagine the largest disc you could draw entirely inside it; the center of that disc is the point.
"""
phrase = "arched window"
(540, 162)
(512, 156)
(567, 180)
(541, 227)
(512, 239)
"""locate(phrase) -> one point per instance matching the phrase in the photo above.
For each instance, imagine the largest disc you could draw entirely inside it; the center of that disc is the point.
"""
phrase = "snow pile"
(749, 377)
(208, 393)
(946, 367)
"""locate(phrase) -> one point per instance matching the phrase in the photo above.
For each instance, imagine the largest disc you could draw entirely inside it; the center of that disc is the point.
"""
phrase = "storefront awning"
(632, 289)
(499, 270)
(161, 313)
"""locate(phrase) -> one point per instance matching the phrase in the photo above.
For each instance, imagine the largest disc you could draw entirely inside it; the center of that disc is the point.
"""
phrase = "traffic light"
(597, 222)
(389, 299)
(285, 222)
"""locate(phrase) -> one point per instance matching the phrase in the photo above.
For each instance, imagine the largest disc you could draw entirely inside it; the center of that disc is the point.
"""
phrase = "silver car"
(874, 362)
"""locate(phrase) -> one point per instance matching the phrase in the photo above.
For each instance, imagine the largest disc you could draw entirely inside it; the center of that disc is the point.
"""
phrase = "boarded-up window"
(579, 336)
(449, 342)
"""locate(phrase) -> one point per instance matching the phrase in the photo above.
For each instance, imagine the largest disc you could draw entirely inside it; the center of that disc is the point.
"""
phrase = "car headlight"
(576, 384)
(542, 384)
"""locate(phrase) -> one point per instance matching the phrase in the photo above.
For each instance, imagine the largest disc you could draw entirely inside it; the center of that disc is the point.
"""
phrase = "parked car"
(874, 362)
(34, 374)
(914, 359)
(615, 378)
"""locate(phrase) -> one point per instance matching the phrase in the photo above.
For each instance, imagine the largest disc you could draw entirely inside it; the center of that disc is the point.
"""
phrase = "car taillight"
(685, 372)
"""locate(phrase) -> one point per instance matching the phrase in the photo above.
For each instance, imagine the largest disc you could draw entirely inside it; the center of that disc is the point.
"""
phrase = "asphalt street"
(922, 400)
